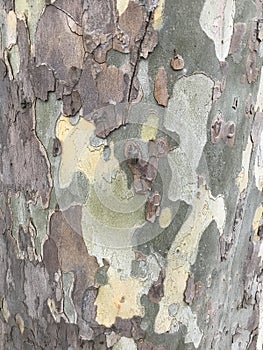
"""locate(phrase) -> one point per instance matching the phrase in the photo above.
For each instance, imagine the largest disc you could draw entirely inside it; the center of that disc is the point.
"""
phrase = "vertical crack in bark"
(138, 54)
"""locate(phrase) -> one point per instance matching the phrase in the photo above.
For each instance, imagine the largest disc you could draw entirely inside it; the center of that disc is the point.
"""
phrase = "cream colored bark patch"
(257, 222)
(53, 309)
(150, 128)
(242, 179)
(165, 217)
(121, 296)
(77, 154)
(118, 298)
(20, 322)
(183, 253)
(217, 21)
(158, 15)
(122, 6)
(5, 310)
(10, 29)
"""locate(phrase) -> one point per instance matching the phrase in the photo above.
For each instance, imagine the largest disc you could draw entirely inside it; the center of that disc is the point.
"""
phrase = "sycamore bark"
(131, 143)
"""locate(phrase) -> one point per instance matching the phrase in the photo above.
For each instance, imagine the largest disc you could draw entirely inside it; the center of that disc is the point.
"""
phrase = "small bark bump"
(177, 62)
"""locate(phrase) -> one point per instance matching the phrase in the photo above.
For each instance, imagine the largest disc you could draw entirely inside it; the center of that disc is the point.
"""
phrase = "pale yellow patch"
(10, 29)
(77, 154)
(63, 128)
(20, 322)
(150, 128)
(257, 221)
(165, 217)
(158, 15)
(118, 298)
(183, 252)
(122, 6)
(51, 304)
(88, 162)
(5, 310)
(242, 179)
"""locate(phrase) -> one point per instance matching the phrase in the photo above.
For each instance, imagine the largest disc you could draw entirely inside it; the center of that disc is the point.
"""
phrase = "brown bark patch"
(160, 87)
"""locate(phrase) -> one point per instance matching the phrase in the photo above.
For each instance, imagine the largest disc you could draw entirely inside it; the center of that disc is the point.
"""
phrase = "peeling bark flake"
(189, 292)
(155, 293)
(160, 87)
(71, 103)
(109, 119)
(42, 80)
(177, 61)
(150, 41)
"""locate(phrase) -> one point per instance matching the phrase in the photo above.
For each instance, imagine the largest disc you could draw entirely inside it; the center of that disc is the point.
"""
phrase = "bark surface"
(131, 174)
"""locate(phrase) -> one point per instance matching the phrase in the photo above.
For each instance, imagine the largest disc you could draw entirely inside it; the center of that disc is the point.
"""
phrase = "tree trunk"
(131, 177)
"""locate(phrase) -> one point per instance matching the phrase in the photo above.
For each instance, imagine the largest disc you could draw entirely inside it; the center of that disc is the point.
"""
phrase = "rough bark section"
(65, 50)
(42, 80)
(24, 164)
(87, 87)
(73, 8)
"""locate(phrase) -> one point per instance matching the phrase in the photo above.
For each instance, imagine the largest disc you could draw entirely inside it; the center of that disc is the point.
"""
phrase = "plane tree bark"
(131, 174)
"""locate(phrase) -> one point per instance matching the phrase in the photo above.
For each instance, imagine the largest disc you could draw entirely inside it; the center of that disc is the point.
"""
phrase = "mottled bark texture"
(131, 174)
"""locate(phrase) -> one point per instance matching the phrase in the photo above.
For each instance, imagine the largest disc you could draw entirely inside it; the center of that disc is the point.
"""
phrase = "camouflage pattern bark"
(131, 146)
